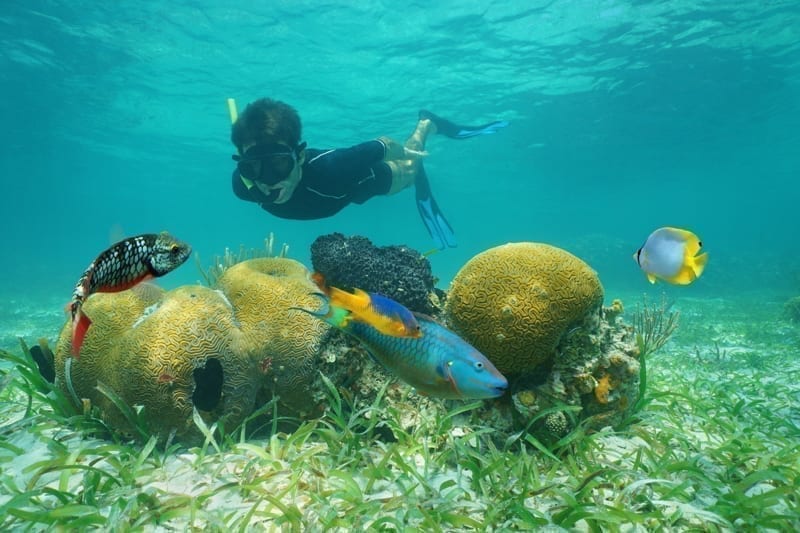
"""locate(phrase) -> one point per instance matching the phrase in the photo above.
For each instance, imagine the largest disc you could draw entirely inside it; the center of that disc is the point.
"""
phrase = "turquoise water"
(624, 117)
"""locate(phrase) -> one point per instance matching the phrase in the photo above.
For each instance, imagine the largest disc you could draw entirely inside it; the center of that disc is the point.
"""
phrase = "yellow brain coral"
(285, 342)
(168, 355)
(195, 347)
(514, 302)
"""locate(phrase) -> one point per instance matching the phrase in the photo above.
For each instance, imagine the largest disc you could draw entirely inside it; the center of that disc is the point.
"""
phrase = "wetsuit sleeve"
(359, 156)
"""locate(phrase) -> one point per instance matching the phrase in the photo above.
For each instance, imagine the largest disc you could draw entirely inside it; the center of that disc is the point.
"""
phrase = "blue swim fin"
(454, 131)
(432, 217)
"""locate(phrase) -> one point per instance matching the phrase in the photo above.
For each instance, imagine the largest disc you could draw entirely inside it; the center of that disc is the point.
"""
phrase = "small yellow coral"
(527, 398)
(604, 387)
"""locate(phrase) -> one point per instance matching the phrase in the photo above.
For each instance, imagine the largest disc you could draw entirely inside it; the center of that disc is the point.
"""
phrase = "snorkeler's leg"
(403, 174)
(456, 131)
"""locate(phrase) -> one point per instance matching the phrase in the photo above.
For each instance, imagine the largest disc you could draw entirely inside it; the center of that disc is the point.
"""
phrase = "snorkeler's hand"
(396, 151)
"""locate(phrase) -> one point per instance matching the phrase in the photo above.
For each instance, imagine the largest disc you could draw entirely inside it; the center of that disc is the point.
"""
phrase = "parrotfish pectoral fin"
(446, 373)
(324, 310)
(80, 325)
(337, 317)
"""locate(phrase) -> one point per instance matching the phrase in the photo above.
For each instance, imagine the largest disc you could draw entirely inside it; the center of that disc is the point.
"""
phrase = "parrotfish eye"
(478, 366)
(174, 248)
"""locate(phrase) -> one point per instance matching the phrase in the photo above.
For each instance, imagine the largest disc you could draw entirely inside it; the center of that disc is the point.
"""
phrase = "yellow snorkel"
(234, 116)
(232, 110)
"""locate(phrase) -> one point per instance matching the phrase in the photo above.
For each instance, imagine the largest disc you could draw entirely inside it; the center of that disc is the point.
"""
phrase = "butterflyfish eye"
(700, 243)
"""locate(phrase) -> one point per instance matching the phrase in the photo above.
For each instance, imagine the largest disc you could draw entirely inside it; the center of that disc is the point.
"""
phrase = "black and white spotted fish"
(122, 266)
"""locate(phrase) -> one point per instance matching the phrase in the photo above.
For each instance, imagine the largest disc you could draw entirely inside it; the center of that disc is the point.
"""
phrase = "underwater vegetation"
(716, 450)
(714, 447)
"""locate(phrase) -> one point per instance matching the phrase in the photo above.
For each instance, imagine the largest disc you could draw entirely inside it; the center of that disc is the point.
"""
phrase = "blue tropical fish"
(438, 363)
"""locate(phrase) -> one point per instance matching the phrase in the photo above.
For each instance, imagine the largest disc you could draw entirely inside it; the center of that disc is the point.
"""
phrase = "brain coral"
(167, 351)
(514, 302)
(219, 351)
(398, 272)
(284, 342)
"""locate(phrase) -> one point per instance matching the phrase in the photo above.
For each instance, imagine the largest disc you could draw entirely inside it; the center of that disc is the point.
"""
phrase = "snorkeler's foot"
(456, 131)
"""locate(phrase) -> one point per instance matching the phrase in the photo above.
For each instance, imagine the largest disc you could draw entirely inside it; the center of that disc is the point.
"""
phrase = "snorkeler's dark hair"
(267, 120)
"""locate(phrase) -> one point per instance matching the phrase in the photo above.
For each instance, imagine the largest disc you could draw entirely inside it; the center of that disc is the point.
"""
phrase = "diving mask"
(268, 163)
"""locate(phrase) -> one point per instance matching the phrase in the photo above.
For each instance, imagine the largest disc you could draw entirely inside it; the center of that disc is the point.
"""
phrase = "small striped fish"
(121, 267)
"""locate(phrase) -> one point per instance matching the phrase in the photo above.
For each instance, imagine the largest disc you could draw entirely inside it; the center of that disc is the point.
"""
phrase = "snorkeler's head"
(267, 121)
(268, 163)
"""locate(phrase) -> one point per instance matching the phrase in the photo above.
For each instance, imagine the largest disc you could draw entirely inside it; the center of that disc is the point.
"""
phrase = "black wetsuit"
(331, 180)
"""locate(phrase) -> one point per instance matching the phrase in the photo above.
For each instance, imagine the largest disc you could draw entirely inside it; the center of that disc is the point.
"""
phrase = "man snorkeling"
(277, 171)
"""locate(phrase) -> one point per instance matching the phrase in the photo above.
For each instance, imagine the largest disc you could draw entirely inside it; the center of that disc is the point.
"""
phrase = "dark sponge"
(398, 272)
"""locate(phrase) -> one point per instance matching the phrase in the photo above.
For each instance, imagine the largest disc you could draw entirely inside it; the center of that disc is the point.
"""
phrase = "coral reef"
(220, 351)
(595, 376)
(398, 272)
(590, 372)
(515, 302)
(532, 308)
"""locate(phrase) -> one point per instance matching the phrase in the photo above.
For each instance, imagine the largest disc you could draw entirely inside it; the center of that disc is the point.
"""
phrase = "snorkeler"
(277, 171)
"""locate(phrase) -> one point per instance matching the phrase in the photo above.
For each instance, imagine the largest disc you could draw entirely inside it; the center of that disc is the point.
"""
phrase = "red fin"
(80, 325)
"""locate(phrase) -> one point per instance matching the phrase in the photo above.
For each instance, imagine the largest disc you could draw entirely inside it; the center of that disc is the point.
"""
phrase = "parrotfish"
(670, 254)
(120, 267)
(439, 363)
(382, 313)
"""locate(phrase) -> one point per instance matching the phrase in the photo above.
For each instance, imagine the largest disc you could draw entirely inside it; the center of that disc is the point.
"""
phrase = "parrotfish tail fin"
(337, 317)
(438, 227)
(700, 264)
(324, 310)
(80, 325)
(455, 131)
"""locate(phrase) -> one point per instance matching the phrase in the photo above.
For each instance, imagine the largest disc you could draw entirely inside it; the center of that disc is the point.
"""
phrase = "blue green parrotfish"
(439, 363)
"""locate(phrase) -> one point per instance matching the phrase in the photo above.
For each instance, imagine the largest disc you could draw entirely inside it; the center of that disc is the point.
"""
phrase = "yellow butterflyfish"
(670, 254)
